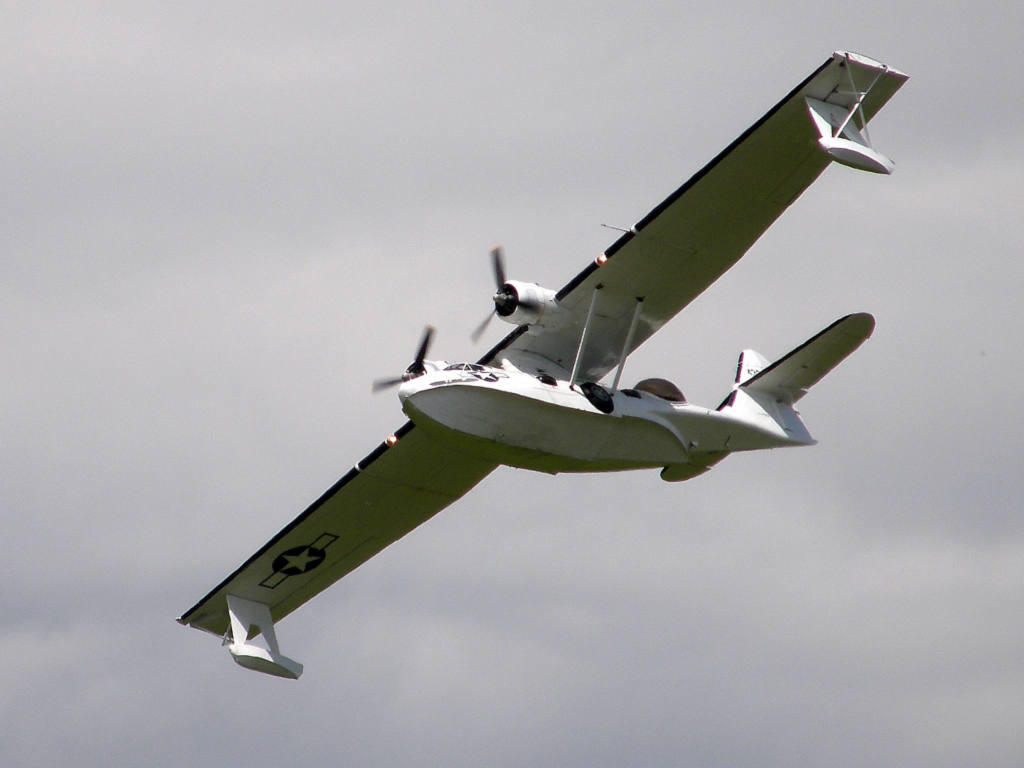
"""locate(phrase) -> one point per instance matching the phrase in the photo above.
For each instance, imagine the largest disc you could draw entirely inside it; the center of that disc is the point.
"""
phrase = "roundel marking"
(298, 560)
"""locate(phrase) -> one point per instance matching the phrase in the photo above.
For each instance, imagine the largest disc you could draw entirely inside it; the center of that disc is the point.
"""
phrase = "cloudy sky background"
(219, 222)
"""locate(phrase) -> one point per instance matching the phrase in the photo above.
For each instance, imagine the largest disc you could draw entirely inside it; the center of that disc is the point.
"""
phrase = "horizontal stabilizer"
(789, 378)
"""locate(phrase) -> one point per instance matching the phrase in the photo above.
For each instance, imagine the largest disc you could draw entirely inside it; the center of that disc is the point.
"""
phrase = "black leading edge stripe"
(348, 477)
(668, 201)
(515, 334)
(587, 272)
(765, 371)
(659, 209)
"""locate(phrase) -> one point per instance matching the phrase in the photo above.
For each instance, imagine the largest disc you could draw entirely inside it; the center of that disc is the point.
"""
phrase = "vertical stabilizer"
(749, 365)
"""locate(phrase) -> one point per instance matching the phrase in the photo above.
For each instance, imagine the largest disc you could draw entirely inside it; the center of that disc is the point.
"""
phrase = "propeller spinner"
(506, 300)
(414, 370)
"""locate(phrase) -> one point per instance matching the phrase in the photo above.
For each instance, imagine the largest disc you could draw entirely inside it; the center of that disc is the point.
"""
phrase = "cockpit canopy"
(662, 388)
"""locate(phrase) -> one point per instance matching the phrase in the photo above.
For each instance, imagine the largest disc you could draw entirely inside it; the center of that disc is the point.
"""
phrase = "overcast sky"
(219, 222)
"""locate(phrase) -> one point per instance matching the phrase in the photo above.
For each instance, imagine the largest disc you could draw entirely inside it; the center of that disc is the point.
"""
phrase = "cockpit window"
(662, 388)
(464, 367)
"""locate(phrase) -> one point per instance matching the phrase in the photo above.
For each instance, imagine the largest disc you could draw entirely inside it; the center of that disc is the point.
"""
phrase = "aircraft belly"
(528, 432)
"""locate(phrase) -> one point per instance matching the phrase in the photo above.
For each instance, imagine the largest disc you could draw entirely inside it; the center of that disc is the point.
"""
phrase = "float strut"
(244, 615)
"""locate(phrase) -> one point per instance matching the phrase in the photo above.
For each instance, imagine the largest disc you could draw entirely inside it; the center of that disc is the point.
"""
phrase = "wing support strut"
(583, 337)
(629, 340)
(246, 614)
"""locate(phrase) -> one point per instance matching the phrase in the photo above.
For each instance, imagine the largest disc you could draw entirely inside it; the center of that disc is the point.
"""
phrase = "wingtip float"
(535, 400)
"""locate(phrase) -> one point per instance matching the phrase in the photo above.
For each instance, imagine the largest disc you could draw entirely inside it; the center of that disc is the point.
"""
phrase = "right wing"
(407, 480)
(688, 241)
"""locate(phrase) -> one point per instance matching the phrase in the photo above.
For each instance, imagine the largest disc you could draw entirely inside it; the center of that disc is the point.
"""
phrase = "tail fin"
(768, 393)
(749, 365)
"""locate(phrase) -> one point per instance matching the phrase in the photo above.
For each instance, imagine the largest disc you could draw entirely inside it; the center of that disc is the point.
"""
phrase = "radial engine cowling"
(526, 303)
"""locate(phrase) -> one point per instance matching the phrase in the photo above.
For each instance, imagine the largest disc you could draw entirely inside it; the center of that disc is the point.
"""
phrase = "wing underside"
(688, 241)
(393, 490)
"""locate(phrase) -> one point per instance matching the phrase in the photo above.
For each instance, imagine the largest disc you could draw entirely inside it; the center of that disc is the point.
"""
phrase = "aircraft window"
(662, 388)
(546, 379)
(630, 392)
(464, 367)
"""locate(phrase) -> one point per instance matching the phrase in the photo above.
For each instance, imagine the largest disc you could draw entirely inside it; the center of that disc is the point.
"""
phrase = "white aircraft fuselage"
(548, 425)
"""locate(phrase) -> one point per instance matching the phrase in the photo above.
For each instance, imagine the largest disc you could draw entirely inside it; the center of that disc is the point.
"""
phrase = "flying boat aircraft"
(536, 400)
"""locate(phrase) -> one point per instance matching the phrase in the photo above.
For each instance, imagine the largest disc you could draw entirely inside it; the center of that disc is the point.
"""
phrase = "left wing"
(693, 237)
(405, 481)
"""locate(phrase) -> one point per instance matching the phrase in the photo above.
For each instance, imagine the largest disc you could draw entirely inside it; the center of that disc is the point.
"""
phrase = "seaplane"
(539, 399)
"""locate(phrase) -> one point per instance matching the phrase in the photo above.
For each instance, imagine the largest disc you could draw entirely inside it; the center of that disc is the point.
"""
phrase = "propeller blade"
(502, 298)
(475, 335)
(421, 355)
(379, 385)
(498, 263)
(414, 370)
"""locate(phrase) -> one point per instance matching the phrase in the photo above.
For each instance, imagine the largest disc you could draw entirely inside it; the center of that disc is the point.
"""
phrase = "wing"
(386, 495)
(686, 243)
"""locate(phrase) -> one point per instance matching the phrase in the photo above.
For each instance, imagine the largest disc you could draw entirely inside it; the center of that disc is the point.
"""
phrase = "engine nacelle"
(526, 304)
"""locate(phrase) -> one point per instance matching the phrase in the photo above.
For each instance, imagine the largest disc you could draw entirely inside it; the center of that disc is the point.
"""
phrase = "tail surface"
(764, 395)
(789, 377)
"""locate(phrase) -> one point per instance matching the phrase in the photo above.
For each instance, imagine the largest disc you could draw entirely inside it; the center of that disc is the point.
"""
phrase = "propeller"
(414, 370)
(506, 300)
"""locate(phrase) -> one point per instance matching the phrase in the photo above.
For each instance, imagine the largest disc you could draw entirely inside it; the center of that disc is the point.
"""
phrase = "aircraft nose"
(408, 388)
